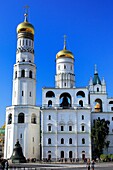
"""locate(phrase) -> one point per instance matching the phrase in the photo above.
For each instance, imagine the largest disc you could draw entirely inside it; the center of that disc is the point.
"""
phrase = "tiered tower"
(65, 77)
(22, 118)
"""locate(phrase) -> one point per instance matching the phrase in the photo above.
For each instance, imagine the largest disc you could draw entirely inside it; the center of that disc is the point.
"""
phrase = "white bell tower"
(65, 77)
(23, 117)
(24, 76)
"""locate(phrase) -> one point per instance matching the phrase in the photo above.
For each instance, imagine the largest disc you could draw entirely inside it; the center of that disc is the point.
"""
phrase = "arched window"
(80, 94)
(70, 141)
(111, 102)
(23, 73)
(70, 127)
(49, 117)
(62, 154)
(33, 119)
(30, 74)
(82, 117)
(49, 141)
(49, 103)
(83, 128)
(50, 94)
(81, 103)
(83, 141)
(62, 141)
(21, 118)
(10, 118)
(15, 74)
(62, 128)
(49, 128)
(70, 154)
(97, 89)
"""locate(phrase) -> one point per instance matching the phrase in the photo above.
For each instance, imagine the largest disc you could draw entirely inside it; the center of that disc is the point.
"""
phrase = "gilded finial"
(96, 69)
(26, 13)
(65, 42)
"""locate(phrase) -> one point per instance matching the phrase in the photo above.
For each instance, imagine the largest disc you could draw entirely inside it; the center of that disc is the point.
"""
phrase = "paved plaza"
(55, 166)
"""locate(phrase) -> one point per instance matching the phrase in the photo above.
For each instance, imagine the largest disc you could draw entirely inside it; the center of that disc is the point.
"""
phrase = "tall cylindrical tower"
(23, 117)
(65, 77)
(24, 76)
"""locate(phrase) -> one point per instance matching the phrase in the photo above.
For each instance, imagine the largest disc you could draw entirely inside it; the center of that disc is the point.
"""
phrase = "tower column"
(23, 117)
(65, 77)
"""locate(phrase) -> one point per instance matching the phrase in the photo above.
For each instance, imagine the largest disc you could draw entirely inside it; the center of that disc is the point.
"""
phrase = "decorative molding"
(25, 49)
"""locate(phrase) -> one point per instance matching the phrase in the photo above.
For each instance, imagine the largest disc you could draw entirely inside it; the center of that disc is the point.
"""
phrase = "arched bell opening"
(65, 100)
(98, 105)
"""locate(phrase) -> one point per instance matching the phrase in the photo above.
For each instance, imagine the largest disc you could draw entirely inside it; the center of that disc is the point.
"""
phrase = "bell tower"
(24, 75)
(23, 117)
(65, 77)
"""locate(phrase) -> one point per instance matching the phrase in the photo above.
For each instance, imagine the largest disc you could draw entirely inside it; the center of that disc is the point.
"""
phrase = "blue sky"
(88, 25)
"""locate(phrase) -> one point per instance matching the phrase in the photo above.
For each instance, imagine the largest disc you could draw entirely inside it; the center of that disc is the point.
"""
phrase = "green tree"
(99, 133)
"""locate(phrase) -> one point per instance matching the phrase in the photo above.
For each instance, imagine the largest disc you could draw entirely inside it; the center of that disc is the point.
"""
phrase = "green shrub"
(104, 157)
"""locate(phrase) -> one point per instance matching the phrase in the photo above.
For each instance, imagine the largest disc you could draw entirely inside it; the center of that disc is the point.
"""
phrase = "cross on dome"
(26, 13)
(65, 42)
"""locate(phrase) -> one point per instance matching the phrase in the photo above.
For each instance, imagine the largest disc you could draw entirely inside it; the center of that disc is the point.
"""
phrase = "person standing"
(92, 164)
(88, 164)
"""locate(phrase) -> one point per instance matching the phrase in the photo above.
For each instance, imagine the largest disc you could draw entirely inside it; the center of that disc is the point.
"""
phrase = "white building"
(23, 117)
(66, 114)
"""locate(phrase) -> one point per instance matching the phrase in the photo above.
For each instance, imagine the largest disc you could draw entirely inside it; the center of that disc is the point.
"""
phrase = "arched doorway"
(62, 154)
(83, 155)
(70, 154)
(49, 155)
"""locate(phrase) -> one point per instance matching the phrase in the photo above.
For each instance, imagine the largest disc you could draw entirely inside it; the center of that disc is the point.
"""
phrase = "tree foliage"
(99, 134)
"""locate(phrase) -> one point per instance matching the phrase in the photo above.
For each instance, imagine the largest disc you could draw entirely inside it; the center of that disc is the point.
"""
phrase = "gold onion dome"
(65, 52)
(25, 26)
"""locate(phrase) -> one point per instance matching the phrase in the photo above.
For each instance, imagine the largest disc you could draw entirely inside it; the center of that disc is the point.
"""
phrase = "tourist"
(88, 164)
(92, 164)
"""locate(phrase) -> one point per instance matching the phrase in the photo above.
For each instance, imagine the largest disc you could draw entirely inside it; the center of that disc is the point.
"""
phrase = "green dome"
(96, 79)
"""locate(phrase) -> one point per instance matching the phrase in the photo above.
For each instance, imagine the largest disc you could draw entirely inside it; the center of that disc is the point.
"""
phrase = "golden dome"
(65, 52)
(25, 26)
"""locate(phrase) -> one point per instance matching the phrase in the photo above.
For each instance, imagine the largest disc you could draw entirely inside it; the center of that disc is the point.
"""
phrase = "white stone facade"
(23, 117)
(71, 124)
(61, 128)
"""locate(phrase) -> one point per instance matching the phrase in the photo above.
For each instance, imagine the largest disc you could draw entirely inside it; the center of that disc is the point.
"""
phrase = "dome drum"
(25, 35)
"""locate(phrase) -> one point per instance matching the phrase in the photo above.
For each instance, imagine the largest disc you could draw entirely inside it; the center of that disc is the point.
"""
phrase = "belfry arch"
(98, 105)
(65, 100)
